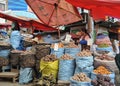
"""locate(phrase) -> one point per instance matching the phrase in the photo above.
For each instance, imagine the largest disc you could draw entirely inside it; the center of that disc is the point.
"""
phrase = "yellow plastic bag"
(48, 68)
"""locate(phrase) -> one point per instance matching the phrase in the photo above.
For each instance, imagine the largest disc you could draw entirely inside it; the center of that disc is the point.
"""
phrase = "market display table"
(12, 75)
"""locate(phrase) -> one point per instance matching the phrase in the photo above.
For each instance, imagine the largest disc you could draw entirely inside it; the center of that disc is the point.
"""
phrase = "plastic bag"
(72, 51)
(26, 75)
(58, 52)
(83, 62)
(77, 83)
(112, 76)
(66, 69)
(48, 68)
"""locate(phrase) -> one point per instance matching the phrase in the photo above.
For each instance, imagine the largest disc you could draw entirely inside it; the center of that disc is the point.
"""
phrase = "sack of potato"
(106, 61)
(4, 45)
(72, 49)
(80, 79)
(49, 65)
(15, 57)
(57, 49)
(27, 59)
(3, 61)
(66, 67)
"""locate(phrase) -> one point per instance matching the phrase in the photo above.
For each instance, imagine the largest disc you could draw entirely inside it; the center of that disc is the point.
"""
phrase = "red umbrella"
(54, 12)
(99, 8)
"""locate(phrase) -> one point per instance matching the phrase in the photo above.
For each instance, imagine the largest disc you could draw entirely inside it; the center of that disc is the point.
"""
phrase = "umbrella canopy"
(99, 8)
(54, 12)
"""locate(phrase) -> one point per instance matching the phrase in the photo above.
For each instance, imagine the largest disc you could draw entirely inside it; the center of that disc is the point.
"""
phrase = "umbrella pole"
(58, 33)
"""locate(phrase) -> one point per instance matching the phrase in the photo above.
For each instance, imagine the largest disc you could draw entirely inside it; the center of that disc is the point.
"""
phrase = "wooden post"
(58, 33)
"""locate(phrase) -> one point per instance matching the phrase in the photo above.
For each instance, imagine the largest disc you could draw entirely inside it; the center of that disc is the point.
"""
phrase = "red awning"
(99, 8)
(27, 23)
(2, 25)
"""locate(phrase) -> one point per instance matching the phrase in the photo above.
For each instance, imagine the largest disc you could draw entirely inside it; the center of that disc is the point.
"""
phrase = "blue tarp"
(17, 5)
(25, 14)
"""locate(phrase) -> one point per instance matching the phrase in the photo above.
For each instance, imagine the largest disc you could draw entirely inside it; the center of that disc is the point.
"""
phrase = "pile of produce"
(14, 57)
(3, 61)
(27, 42)
(105, 41)
(102, 52)
(72, 45)
(27, 59)
(60, 45)
(81, 77)
(42, 51)
(102, 81)
(105, 57)
(4, 45)
(84, 53)
(47, 81)
(66, 57)
(50, 58)
(101, 70)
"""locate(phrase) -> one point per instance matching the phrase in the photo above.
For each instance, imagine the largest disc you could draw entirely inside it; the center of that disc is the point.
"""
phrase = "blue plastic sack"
(83, 62)
(58, 53)
(4, 53)
(26, 75)
(77, 83)
(110, 49)
(72, 51)
(15, 39)
(86, 70)
(112, 76)
(66, 69)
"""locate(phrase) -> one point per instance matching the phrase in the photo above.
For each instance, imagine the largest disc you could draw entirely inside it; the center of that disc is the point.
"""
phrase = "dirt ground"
(8, 82)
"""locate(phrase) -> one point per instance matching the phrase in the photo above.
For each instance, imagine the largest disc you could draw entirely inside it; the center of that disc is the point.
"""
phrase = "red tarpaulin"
(99, 8)
(2, 25)
(27, 23)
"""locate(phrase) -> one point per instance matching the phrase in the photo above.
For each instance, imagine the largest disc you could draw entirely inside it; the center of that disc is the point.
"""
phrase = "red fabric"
(2, 25)
(99, 8)
(54, 12)
(28, 23)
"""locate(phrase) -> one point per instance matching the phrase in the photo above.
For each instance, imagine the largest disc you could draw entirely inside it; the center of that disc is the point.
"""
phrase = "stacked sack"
(106, 61)
(84, 62)
(72, 49)
(103, 71)
(57, 49)
(49, 65)
(102, 81)
(27, 61)
(104, 43)
(66, 67)
(80, 79)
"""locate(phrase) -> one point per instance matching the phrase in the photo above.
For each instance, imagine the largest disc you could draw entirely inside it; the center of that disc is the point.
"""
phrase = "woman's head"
(15, 26)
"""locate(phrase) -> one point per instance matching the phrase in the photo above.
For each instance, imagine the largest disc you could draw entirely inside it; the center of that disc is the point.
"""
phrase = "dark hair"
(85, 31)
(16, 26)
